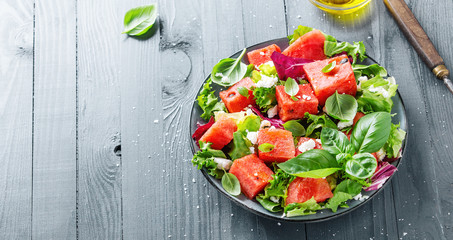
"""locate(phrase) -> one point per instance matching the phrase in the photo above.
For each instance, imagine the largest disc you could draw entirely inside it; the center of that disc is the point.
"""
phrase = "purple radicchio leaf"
(289, 66)
(277, 123)
(201, 129)
(378, 179)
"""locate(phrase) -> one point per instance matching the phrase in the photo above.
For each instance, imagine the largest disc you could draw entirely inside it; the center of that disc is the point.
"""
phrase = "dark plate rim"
(335, 215)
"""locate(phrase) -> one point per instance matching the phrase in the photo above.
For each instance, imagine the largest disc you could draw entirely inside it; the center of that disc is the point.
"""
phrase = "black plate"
(253, 205)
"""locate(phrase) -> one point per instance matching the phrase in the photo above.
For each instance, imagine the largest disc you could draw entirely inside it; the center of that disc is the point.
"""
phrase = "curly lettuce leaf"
(299, 32)
(376, 94)
(205, 158)
(301, 209)
(275, 190)
(355, 50)
(316, 122)
(371, 71)
(265, 98)
(395, 141)
(208, 102)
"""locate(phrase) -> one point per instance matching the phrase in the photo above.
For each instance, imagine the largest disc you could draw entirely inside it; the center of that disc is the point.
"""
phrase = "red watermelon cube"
(303, 189)
(283, 145)
(308, 46)
(263, 55)
(288, 109)
(340, 79)
(220, 133)
(302, 140)
(233, 100)
(252, 173)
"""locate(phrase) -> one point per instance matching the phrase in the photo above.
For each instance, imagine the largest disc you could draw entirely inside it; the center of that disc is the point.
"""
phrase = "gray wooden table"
(94, 123)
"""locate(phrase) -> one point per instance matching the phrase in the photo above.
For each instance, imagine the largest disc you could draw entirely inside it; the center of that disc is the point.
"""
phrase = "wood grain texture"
(16, 92)
(99, 25)
(54, 152)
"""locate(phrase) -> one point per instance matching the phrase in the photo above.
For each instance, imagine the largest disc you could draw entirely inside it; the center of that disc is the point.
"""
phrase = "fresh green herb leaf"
(301, 209)
(231, 184)
(371, 71)
(316, 122)
(139, 20)
(265, 98)
(205, 159)
(338, 200)
(371, 132)
(361, 165)
(250, 69)
(349, 186)
(329, 67)
(345, 191)
(295, 128)
(332, 47)
(294, 99)
(229, 71)
(395, 141)
(291, 87)
(208, 102)
(243, 91)
(341, 106)
(240, 146)
(266, 147)
(315, 163)
(250, 123)
(298, 32)
(335, 142)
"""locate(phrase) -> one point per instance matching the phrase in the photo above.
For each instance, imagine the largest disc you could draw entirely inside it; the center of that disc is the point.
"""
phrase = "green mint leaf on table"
(299, 32)
(371, 132)
(205, 159)
(295, 128)
(361, 166)
(239, 146)
(341, 106)
(356, 50)
(335, 142)
(208, 102)
(329, 67)
(370, 71)
(231, 184)
(393, 145)
(265, 98)
(301, 209)
(291, 88)
(266, 147)
(316, 122)
(139, 20)
(229, 71)
(315, 163)
(243, 91)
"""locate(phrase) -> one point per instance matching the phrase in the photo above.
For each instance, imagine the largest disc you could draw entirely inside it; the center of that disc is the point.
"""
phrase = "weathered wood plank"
(54, 138)
(16, 79)
(98, 87)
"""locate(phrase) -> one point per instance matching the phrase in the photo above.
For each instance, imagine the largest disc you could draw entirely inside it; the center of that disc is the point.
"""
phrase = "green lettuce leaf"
(205, 158)
(301, 209)
(299, 32)
(356, 50)
(240, 146)
(371, 71)
(376, 95)
(316, 122)
(395, 141)
(345, 191)
(265, 98)
(208, 102)
(277, 190)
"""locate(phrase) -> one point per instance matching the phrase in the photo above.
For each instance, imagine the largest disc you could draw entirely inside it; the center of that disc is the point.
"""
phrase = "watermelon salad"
(299, 130)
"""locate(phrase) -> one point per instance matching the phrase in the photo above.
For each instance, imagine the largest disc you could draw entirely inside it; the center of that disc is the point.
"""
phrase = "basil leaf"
(229, 71)
(315, 163)
(372, 70)
(361, 165)
(349, 186)
(239, 146)
(317, 121)
(335, 142)
(341, 106)
(139, 20)
(243, 91)
(371, 132)
(299, 32)
(300, 209)
(266, 147)
(329, 67)
(231, 184)
(295, 128)
(291, 87)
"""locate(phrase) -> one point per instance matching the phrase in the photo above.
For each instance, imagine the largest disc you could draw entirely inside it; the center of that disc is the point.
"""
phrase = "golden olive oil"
(340, 6)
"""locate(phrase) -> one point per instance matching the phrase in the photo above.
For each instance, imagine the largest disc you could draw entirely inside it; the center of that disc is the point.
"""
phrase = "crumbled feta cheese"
(342, 125)
(361, 197)
(265, 123)
(223, 163)
(391, 80)
(380, 90)
(252, 150)
(272, 112)
(262, 53)
(274, 199)
(305, 97)
(381, 154)
(224, 79)
(272, 127)
(248, 112)
(266, 81)
(308, 145)
(361, 80)
(318, 140)
(253, 137)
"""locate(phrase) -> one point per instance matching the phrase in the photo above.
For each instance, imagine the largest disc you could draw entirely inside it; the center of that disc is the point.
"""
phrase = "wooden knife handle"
(414, 32)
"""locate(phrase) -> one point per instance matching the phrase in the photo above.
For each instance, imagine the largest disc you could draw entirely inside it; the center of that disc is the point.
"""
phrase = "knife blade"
(419, 39)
